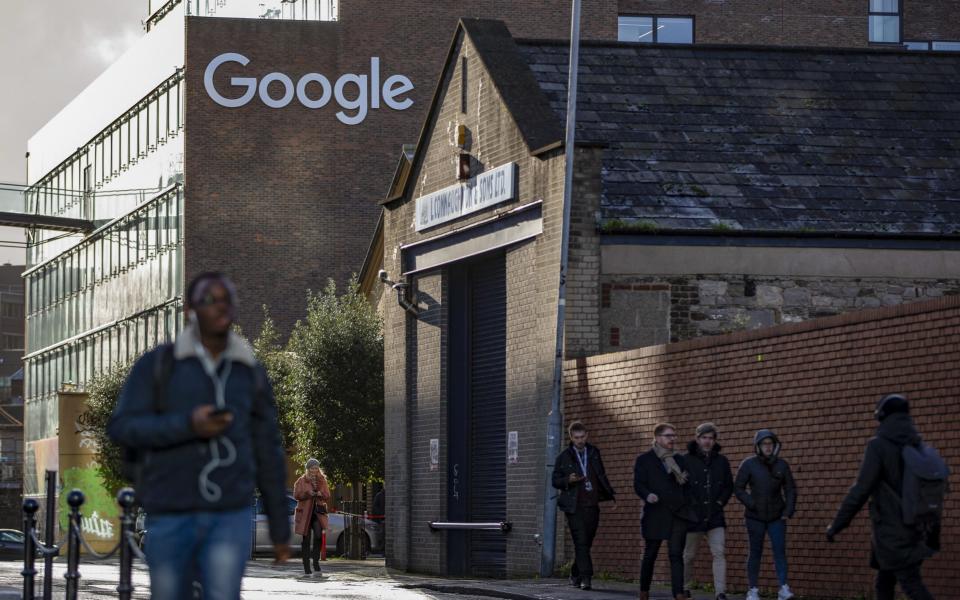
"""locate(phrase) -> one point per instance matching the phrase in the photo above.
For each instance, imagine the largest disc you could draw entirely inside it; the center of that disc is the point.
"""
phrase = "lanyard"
(583, 461)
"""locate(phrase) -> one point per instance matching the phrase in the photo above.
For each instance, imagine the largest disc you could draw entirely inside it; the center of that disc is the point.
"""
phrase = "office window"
(656, 30)
(884, 21)
(947, 46)
(940, 46)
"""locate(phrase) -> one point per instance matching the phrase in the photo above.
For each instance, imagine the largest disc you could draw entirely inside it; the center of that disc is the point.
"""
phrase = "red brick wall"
(815, 384)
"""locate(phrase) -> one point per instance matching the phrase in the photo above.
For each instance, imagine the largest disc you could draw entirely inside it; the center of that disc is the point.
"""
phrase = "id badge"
(588, 486)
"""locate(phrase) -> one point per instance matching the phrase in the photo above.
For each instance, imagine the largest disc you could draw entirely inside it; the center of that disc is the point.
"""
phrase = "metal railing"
(32, 546)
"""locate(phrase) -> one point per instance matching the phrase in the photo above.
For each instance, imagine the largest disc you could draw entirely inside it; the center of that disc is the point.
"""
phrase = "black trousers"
(583, 528)
(910, 582)
(315, 531)
(675, 546)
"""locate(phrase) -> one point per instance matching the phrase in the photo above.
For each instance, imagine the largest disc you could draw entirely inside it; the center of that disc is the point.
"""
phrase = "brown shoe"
(681, 596)
(644, 595)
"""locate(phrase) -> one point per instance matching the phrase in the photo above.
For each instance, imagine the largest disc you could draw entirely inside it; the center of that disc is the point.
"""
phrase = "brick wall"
(814, 383)
(839, 23)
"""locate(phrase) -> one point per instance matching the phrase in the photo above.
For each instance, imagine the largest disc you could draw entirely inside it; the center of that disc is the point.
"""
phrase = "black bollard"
(49, 522)
(75, 500)
(125, 499)
(30, 508)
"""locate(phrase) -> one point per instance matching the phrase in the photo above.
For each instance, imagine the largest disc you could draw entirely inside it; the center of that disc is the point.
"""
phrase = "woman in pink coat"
(311, 492)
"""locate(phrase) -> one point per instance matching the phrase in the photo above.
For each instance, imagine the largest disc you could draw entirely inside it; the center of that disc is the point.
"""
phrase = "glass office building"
(114, 160)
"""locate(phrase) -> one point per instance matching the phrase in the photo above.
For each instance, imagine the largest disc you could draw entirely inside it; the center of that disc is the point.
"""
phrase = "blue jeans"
(756, 531)
(211, 547)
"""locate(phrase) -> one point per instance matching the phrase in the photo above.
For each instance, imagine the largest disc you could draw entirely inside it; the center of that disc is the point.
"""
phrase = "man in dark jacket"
(206, 441)
(582, 480)
(766, 488)
(660, 477)
(711, 485)
(898, 549)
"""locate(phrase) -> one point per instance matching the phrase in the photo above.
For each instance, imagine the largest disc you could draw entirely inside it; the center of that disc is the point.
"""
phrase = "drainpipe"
(555, 419)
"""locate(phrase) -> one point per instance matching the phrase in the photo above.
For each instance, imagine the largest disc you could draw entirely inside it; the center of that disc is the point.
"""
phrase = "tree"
(103, 391)
(337, 379)
(279, 364)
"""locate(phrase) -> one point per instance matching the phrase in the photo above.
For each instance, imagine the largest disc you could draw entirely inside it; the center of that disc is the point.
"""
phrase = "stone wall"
(641, 311)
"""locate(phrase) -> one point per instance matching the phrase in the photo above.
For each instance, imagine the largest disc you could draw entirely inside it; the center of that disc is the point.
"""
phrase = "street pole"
(555, 419)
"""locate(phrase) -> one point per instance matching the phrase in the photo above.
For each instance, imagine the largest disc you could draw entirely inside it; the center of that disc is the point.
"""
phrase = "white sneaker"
(753, 594)
(784, 593)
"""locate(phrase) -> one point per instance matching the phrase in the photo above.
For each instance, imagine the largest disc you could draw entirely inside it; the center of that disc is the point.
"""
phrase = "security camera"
(383, 275)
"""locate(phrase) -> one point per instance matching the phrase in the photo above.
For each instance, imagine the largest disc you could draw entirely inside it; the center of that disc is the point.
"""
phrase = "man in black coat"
(660, 477)
(766, 488)
(711, 485)
(579, 474)
(898, 549)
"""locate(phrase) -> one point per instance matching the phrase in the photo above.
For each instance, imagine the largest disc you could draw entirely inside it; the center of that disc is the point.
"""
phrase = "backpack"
(132, 458)
(925, 486)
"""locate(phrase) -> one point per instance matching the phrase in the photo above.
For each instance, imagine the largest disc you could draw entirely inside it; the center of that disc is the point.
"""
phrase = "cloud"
(106, 48)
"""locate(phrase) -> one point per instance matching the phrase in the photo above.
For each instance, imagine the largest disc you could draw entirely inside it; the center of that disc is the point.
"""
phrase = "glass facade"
(96, 300)
(105, 301)
(100, 180)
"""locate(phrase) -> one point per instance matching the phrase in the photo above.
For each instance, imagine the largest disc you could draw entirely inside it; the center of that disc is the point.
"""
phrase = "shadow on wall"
(815, 384)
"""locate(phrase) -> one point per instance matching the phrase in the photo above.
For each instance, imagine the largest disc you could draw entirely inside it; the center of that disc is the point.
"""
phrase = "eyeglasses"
(668, 435)
(210, 300)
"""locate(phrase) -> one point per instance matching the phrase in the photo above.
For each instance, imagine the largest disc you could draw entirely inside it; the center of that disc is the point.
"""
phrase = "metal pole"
(125, 498)
(75, 500)
(49, 523)
(30, 508)
(555, 419)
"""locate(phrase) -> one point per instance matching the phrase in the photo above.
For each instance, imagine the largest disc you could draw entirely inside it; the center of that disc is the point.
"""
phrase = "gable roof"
(763, 139)
(513, 80)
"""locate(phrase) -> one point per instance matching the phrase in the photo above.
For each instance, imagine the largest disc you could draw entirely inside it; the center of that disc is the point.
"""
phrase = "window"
(947, 46)
(884, 21)
(941, 46)
(656, 30)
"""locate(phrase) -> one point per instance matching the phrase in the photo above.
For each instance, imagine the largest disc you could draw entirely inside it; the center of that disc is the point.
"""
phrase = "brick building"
(716, 188)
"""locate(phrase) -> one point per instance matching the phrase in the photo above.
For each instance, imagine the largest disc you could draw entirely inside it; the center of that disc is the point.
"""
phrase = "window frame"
(898, 15)
(655, 18)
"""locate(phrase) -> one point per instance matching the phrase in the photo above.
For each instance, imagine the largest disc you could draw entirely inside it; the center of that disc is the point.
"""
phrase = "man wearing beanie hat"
(897, 549)
(711, 485)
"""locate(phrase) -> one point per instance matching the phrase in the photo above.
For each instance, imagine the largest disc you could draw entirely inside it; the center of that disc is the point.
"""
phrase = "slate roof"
(761, 139)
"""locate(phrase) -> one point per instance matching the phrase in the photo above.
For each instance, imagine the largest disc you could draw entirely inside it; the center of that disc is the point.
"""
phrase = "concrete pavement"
(342, 579)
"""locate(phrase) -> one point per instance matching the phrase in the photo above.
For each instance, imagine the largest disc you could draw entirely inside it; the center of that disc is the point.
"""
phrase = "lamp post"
(555, 419)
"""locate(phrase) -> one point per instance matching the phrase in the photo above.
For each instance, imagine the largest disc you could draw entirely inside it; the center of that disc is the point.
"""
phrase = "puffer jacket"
(894, 544)
(764, 486)
(711, 485)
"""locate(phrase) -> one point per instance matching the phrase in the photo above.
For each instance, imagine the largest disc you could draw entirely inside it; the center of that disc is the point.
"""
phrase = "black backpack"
(925, 487)
(132, 459)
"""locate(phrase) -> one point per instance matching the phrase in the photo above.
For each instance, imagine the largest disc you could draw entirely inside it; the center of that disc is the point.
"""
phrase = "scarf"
(666, 456)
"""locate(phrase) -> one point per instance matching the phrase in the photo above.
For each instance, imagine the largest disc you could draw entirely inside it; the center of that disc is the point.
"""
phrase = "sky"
(50, 50)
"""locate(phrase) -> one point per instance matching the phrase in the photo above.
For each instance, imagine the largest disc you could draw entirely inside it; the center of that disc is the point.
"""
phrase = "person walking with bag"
(766, 488)
(311, 492)
(660, 477)
(898, 548)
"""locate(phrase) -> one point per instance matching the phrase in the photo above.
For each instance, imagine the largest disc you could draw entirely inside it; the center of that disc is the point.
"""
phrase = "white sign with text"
(485, 190)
